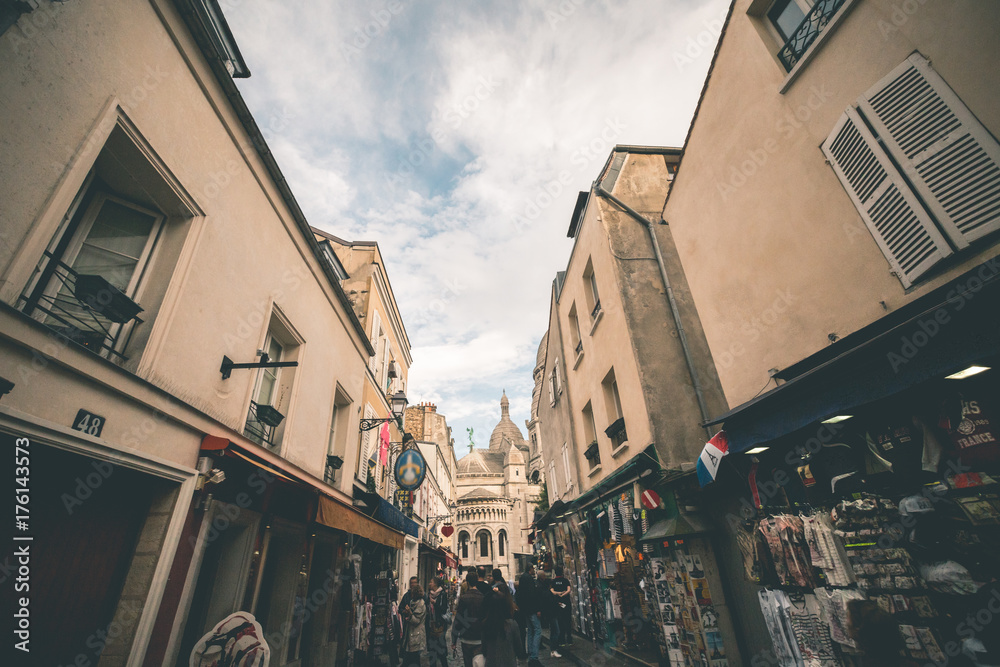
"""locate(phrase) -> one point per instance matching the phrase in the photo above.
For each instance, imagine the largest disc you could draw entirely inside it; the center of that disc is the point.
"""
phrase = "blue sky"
(443, 130)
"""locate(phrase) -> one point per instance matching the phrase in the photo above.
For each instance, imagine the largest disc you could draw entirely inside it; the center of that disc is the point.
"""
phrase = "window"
(272, 388)
(113, 250)
(616, 418)
(945, 194)
(502, 544)
(786, 16)
(555, 383)
(484, 544)
(565, 459)
(574, 330)
(591, 291)
(337, 440)
(366, 447)
(463, 545)
(374, 336)
(591, 449)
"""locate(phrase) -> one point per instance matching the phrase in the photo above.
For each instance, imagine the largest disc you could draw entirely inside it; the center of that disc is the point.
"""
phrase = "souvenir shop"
(687, 608)
(648, 577)
(862, 510)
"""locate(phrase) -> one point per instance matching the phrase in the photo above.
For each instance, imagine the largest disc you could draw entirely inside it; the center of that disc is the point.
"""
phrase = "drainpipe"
(599, 190)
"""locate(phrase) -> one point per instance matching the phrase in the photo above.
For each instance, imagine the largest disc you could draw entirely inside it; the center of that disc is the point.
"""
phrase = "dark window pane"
(786, 15)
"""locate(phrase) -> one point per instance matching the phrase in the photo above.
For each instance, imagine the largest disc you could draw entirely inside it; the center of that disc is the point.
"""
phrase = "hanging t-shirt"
(974, 434)
(898, 444)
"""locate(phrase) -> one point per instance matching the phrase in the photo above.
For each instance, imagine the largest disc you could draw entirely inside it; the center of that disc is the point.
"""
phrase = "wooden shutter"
(902, 228)
(948, 156)
(366, 446)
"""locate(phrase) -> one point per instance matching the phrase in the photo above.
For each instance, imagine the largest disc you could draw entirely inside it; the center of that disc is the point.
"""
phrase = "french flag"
(711, 457)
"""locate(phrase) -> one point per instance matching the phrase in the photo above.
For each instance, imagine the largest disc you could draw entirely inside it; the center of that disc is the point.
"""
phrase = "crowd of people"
(494, 623)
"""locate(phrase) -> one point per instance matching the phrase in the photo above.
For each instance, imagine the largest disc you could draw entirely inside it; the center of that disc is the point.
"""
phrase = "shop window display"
(901, 514)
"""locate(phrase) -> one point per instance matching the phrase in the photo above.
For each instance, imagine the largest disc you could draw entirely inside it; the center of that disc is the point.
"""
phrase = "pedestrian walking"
(561, 597)
(415, 636)
(548, 607)
(527, 600)
(437, 623)
(501, 639)
(467, 626)
(498, 580)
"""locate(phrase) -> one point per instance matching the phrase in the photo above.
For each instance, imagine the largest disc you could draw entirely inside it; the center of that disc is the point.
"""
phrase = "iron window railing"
(592, 453)
(262, 420)
(579, 347)
(811, 27)
(83, 308)
(596, 310)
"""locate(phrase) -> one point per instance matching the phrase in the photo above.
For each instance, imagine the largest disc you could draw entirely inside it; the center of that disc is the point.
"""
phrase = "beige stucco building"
(149, 242)
(367, 286)
(616, 371)
(782, 260)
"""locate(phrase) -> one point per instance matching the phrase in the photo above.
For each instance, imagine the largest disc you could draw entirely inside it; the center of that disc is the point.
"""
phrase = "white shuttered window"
(945, 192)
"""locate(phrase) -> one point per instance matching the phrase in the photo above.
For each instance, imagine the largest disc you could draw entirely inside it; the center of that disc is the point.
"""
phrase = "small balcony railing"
(262, 420)
(811, 27)
(83, 308)
(596, 311)
(617, 432)
(579, 348)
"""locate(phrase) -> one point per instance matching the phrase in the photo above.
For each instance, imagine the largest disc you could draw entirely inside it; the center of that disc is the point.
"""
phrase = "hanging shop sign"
(410, 470)
(448, 530)
(404, 500)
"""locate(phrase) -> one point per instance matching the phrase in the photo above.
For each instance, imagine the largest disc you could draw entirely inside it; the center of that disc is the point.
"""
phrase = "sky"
(457, 135)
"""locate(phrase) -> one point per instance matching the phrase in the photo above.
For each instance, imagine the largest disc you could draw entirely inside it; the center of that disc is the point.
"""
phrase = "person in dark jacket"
(437, 623)
(484, 585)
(530, 605)
(467, 626)
(501, 640)
(406, 605)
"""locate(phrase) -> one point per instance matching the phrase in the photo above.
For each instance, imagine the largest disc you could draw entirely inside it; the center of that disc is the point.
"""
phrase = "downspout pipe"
(682, 336)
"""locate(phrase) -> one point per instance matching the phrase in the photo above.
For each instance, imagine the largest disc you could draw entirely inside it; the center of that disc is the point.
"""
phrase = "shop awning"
(941, 333)
(636, 467)
(331, 514)
(392, 517)
(555, 510)
(685, 523)
(331, 511)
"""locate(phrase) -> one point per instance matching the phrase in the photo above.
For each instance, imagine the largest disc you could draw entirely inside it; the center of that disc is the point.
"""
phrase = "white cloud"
(447, 124)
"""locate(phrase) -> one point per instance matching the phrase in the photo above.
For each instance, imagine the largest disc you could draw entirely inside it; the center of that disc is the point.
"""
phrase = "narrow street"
(676, 320)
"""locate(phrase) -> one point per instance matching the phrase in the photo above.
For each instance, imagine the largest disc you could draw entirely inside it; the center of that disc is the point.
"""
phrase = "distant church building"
(496, 500)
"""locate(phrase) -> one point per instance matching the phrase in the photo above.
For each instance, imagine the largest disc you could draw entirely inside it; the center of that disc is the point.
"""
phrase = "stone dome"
(506, 429)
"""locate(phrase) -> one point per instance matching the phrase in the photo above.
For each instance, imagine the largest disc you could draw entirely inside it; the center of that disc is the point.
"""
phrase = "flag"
(383, 452)
(711, 456)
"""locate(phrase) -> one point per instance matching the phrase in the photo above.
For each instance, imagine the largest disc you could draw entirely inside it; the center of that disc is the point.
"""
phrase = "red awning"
(333, 511)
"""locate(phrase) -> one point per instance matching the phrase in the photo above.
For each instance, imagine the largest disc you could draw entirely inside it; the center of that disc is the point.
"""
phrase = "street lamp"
(398, 404)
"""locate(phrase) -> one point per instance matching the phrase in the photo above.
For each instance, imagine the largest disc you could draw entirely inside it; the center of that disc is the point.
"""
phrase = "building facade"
(838, 227)
(436, 497)
(624, 379)
(178, 354)
(495, 501)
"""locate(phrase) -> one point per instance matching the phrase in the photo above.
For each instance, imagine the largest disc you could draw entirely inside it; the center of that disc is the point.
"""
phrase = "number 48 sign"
(89, 423)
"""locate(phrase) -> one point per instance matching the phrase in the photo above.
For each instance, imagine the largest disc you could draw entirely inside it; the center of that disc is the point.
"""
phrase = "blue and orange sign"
(410, 470)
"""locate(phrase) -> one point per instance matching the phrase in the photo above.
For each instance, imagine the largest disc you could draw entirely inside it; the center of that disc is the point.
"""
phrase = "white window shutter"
(366, 446)
(950, 158)
(552, 388)
(552, 481)
(373, 338)
(902, 228)
(565, 456)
